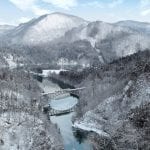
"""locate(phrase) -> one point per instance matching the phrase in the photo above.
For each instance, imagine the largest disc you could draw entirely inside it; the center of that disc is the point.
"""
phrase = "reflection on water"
(64, 103)
(73, 140)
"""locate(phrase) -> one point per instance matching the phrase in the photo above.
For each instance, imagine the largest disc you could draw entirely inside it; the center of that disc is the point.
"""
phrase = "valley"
(71, 84)
(64, 121)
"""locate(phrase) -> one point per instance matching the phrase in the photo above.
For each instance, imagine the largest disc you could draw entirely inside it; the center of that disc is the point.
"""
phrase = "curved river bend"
(73, 139)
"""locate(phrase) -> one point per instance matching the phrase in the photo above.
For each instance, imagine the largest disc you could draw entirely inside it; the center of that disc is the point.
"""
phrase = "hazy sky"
(19, 11)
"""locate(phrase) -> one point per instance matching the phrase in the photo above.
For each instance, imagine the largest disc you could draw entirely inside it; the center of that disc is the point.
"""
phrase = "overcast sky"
(20, 11)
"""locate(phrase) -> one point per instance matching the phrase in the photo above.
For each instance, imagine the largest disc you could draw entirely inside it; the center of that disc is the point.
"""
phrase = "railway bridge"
(54, 112)
(53, 95)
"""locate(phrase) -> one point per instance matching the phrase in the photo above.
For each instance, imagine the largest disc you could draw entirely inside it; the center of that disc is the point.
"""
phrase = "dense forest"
(116, 100)
(23, 123)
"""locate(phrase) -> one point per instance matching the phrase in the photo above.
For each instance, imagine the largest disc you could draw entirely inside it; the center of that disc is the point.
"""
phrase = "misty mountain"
(109, 60)
(44, 29)
(57, 35)
(115, 101)
(111, 41)
(141, 27)
(5, 28)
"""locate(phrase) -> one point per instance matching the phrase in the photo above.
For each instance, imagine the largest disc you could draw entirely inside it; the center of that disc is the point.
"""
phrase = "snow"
(48, 86)
(148, 90)
(121, 41)
(46, 28)
(65, 62)
(127, 87)
(5, 28)
(103, 30)
(46, 73)
(135, 25)
(9, 93)
(10, 60)
(90, 127)
(109, 114)
(17, 130)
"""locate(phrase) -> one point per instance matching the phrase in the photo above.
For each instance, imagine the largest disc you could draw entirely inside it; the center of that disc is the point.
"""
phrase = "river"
(73, 139)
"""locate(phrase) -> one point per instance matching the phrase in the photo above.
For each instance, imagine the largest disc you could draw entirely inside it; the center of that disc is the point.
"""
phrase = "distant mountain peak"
(45, 28)
(5, 28)
(142, 27)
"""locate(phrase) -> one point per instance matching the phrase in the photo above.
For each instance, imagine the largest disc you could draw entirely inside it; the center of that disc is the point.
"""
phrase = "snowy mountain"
(116, 101)
(45, 28)
(141, 27)
(60, 35)
(111, 41)
(5, 28)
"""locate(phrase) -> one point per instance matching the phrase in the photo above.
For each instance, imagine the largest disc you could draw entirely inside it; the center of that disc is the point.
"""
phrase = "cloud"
(13, 22)
(145, 3)
(40, 11)
(115, 3)
(145, 12)
(23, 4)
(145, 7)
(65, 4)
(94, 4)
(30, 5)
(24, 19)
(98, 4)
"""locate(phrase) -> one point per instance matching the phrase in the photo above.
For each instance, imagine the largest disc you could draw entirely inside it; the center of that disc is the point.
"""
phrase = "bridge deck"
(63, 91)
(54, 112)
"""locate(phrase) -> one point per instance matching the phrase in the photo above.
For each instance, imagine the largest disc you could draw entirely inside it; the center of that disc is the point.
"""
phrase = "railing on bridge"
(63, 91)
(54, 112)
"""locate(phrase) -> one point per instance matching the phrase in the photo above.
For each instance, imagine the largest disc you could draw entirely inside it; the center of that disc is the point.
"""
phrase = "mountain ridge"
(49, 26)
(62, 35)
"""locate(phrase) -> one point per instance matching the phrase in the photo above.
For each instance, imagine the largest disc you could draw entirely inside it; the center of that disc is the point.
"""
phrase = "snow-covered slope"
(109, 103)
(22, 125)
(110, 40)
(142, 27)
(45, 28)
(96, 31)
(5, 28)
(71, 37)
(111, 113)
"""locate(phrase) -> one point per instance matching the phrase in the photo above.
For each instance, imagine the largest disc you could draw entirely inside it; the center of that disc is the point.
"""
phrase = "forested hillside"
(23, 124)
(116, 101)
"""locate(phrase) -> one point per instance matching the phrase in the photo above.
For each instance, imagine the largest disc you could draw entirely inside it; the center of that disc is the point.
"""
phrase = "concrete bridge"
(54, 95)
(36, 74)
(46, 73)
(53, 112)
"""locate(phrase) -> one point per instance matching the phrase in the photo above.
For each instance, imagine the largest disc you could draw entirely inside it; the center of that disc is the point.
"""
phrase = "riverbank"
(64, 121)
(23, 124)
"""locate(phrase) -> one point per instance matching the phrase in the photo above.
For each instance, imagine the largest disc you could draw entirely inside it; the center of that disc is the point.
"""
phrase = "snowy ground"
(48, 86)
(10, 60)
(46, 73)
(23, 126)
(88, 123)
(23, 131)
(110, 114)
